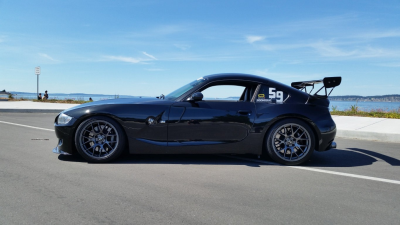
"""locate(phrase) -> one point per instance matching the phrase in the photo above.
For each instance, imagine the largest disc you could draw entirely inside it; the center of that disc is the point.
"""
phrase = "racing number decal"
(270, 95)
(276, 94)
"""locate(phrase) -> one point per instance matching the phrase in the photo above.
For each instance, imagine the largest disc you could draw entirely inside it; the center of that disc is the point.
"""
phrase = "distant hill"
(376, 98)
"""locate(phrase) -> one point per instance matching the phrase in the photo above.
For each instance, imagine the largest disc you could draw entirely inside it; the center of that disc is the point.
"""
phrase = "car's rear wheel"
(290, 142)
(100, 139)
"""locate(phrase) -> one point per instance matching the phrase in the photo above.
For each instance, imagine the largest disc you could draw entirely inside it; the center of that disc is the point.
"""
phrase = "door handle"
(244, 112)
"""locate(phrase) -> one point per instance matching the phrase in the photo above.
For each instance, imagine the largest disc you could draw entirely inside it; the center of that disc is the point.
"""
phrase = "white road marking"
(270, 163)
(21, 125)
(320, 171)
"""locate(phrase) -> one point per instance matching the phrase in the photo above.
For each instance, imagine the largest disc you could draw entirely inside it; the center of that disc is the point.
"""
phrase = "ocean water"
(365, 106)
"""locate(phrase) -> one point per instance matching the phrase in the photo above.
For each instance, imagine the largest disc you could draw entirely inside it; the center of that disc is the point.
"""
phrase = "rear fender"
(313, 126)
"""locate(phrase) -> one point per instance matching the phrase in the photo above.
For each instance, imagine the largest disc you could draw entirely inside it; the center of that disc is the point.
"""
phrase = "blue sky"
(152, 47)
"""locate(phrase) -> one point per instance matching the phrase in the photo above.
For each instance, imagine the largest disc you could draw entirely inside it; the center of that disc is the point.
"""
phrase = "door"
(213, 120)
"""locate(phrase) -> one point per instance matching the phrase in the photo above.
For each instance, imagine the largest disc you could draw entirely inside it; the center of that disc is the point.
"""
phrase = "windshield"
(180, 91)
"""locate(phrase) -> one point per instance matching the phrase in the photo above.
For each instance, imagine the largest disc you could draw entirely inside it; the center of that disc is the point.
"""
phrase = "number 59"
(276, 94)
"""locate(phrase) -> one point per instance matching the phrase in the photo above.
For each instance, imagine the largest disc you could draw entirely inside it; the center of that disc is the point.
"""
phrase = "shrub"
(379, 113)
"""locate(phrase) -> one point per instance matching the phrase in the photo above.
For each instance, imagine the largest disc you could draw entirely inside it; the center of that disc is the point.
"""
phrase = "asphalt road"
(39, 187)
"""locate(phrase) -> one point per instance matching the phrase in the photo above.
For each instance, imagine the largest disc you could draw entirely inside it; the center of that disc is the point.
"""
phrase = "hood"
(117, 101)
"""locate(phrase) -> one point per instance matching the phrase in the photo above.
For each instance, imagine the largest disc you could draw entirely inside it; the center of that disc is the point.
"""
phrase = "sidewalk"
(365, 128)
(33, 107)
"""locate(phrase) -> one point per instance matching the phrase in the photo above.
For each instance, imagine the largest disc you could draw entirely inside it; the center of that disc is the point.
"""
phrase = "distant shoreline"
(376, 98)
(344, 98)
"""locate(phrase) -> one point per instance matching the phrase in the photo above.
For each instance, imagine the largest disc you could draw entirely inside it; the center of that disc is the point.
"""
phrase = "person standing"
(45, 96)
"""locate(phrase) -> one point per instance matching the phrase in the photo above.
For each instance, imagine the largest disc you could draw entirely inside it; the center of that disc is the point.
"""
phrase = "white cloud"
(150, 56)
(203, 58)
(328, 50)
(378, 34)
(273, 47)
(2, 38)
(122, 59)
(288, 78)
(182, 46)
(155, 69)
(251, 39)
(47, 57)
(169, 29)
(160, 31)
(318, 23)
(396, 64)
(338, 50)
(130, 59)
(274, 75)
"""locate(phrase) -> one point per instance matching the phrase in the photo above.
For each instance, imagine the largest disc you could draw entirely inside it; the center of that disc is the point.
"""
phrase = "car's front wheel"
(100, 139)
(290, 142)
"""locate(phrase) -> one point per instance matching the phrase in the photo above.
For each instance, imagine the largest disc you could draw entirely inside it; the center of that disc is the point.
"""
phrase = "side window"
(223, 92)
(271, 95)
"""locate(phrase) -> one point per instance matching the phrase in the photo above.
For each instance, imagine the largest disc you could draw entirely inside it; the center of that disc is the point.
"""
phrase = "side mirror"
(198, 96)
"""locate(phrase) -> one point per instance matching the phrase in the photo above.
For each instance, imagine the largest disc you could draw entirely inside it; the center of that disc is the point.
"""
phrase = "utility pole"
(37, 72)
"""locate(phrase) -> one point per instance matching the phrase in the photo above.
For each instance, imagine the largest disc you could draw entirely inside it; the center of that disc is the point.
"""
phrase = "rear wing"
(328, 82)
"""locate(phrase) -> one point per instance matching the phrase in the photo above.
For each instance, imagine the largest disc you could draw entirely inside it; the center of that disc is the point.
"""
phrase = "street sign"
(37, 70)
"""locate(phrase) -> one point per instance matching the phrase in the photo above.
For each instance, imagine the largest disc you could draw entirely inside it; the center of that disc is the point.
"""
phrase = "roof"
(238, 76)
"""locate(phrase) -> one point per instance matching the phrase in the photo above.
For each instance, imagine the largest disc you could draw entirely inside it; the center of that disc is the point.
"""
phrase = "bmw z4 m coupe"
(286, 123)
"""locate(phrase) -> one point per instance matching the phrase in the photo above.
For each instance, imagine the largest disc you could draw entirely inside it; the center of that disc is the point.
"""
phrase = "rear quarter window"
(271, 95)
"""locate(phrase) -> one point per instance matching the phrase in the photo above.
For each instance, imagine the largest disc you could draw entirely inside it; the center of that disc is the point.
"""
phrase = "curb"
(370, 136)
(31, 110)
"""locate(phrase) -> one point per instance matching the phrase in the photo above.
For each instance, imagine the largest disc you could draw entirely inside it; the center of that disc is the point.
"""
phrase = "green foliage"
(334, 108)
(378, 113)
(354, 109)
(10, 96)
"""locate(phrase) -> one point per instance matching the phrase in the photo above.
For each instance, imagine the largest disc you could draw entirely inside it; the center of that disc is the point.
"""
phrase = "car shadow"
(350, 157)
(181, 159)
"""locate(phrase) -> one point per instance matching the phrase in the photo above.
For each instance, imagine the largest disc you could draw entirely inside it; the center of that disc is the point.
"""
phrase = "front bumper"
(65, 137)
(58, 150)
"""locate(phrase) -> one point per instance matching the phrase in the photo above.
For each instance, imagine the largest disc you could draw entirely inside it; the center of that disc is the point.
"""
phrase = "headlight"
(63, 119)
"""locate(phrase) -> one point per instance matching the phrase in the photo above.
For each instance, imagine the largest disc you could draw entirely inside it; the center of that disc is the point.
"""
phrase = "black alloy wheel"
(100, 139)
(290, 142)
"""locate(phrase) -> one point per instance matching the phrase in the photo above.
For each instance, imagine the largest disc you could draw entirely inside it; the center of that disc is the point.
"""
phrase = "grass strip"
(377, 113)
(68, 101)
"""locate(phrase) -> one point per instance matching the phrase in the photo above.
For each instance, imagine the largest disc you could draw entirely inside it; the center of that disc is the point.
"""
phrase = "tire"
(100, 139)
(290, 142)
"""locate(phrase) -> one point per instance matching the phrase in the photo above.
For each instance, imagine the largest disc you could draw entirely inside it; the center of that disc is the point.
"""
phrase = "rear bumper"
(327, 141)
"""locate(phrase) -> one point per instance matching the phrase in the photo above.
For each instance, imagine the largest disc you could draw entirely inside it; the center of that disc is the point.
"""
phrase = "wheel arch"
(305, 119)
(83, 118)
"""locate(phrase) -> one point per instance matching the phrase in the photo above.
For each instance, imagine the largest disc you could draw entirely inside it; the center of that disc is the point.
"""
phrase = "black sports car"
(286, 123)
